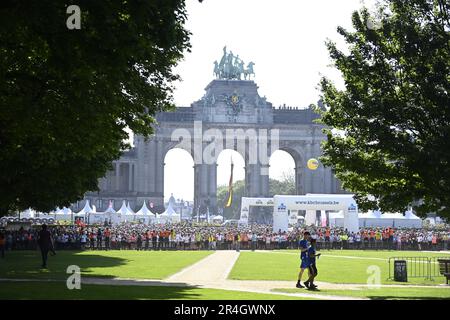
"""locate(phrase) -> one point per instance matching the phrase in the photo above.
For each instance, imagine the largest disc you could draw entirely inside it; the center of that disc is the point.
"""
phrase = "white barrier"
(311, 203)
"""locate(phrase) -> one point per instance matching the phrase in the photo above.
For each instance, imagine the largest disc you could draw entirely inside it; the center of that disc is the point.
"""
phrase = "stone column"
(201, 190)
(130, 177)
(299, 179)
(264, 178)
(255, 180)
(159, 170)
(309, 187)
(118, 176)
(212, 180)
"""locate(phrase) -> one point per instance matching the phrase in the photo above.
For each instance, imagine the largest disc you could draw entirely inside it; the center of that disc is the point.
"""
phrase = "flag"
(230, 188)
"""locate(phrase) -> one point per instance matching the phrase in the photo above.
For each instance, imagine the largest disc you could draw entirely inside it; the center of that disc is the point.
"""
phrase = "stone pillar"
(264, 178)
(159, 171)
(118, 176)
(309, 187)
(134, 177)
(212, 179)
(299, 179)
(253, 180)
(130, 177)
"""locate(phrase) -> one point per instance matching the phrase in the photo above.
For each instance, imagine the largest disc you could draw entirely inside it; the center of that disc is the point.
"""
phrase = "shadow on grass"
(27, 265)
(405, 298)
(58, 291)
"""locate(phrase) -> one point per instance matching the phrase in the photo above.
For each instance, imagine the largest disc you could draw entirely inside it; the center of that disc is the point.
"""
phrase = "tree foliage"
(67, 96)
(390, 142)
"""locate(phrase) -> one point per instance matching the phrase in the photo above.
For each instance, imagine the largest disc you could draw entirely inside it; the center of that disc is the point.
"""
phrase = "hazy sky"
(284, 38)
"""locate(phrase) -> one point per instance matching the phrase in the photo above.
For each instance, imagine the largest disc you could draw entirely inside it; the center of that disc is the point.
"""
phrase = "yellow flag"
(230, 188)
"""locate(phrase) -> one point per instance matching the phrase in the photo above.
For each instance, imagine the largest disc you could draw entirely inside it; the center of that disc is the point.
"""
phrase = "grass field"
(124, 264)
(58, 290)
(337, 266)
(385, 293)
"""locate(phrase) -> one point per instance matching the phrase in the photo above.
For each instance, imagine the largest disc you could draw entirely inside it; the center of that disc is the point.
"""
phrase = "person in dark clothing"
(139, 242)
(99, 239)
(147, 239)
(2, 244)
(154, 239)
(45, 244)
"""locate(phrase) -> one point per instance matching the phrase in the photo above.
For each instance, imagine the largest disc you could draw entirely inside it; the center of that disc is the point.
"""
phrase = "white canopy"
(129, 208)
(144, 211)
(169, 211)
(87, 209)
(66, 211)
(29, 213)
(169, 215)
(377, 219)
(370, 215)
(218, 217)
(124, 209)
(410, 215)
(110, 209)
(57, 211)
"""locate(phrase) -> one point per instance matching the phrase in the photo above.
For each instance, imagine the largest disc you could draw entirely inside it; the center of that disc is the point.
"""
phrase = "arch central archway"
(223, 178)
(178, 175)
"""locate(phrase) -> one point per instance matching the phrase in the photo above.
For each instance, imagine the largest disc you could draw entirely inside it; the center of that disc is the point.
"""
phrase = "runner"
(312, 269)
(304, 257)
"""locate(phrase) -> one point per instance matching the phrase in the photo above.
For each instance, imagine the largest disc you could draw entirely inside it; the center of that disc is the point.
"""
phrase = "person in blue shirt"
(304, 264)
(312, 269)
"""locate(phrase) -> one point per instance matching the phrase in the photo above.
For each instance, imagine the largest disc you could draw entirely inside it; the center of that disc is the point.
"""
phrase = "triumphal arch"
(230, 115)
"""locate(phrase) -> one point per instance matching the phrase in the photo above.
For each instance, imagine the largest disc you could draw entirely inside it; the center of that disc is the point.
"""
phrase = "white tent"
(66, 211)
(391, 220)
(86, 209)
(410, 221)
(125, 214)
(110, 209)
(62, 214)
(369, 219)
(29, 213)
(123, 209)
(57, 211)
(144, 214)
(129, 208)
(169, 215)
(144, 211)
(111, 214)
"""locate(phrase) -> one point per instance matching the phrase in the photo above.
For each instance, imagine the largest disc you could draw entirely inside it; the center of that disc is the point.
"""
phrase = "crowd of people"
(185, 236)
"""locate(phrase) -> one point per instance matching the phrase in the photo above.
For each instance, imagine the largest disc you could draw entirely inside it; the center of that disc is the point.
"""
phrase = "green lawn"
(346, 266)
(58, 290)
(385, 293)
(124, 264)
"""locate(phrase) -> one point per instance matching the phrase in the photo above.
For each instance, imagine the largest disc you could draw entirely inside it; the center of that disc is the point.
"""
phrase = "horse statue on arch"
(249, 71)
(216, 69)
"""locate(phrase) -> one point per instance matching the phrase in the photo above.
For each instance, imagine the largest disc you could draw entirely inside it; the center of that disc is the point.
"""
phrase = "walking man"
(45, 243)
(2, 244)
(312, 269)
(304, 264)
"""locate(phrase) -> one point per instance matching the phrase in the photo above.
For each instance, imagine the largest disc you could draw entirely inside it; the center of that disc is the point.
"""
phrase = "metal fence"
(418, 267)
